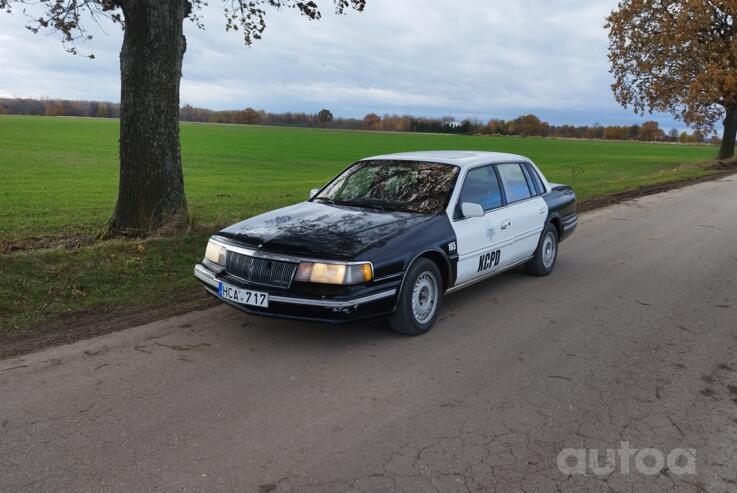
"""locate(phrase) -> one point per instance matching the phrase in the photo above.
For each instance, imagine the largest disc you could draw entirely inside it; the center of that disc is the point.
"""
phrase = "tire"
(422, 289)
(546, 255)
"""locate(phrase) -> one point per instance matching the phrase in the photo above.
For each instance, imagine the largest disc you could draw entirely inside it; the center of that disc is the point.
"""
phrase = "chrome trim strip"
(487, 276)
(229, 245)
(334, 304)
(386, 278)
(570, 223)
(205, 276)
(208, 278)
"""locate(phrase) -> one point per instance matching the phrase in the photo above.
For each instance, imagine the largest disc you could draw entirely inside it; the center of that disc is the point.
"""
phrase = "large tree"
(151, 192)
(678, 56)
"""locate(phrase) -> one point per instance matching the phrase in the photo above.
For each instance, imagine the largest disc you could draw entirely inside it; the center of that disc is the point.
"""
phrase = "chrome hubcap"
(549, 249)
(424, 297)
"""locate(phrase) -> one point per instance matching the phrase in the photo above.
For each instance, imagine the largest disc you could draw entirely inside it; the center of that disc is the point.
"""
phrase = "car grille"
(261, 271)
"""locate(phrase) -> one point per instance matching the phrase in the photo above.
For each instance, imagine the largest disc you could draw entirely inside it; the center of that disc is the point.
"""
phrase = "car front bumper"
(360, 303)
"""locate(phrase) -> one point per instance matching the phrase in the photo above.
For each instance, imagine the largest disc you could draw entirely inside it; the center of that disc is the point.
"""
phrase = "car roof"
(462, 159)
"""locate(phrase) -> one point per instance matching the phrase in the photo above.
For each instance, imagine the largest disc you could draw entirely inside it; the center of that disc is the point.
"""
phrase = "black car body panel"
(323, 231)
(389, 240)
(561, 202)
(332, 232)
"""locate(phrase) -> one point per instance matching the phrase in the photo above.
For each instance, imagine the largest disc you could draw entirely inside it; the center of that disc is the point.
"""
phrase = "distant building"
(453, 124)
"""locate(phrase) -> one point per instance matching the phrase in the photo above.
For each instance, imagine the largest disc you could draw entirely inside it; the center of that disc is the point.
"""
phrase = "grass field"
(59, 177)
(60, 174)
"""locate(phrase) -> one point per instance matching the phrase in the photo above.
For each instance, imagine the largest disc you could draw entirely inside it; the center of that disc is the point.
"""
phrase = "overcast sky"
(470, 58)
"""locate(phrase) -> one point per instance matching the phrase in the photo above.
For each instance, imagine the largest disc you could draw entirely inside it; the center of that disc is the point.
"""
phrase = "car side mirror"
(314, 192)
(469, 209)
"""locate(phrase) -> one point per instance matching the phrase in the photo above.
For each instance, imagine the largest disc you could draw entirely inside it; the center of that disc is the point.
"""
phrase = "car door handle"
(506, 224)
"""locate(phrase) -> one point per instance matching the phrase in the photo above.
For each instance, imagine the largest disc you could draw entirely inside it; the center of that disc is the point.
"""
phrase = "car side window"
(530, 183)
(536, 178)
(481, 187)
(514, 181)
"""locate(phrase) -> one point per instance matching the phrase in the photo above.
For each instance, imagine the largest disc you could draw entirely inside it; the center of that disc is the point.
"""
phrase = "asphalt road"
(632, 339)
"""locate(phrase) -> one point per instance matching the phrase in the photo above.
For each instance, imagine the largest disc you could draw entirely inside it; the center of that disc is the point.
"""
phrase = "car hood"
(322, 231)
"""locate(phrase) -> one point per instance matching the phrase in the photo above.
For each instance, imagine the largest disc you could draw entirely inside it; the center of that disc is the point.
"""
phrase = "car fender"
(437, 252)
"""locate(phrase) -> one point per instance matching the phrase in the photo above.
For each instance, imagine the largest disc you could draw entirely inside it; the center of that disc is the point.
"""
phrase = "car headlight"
(215, 253)
(346, 274)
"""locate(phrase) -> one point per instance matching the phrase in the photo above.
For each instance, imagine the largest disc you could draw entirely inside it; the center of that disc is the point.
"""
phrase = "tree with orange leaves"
(678, 56)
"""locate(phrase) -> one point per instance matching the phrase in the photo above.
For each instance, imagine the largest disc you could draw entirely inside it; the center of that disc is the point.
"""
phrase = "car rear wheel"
(419, 300)
(546, 254)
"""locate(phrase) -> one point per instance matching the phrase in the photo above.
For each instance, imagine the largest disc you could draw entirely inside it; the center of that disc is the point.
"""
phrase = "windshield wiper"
(369, 204)
(327, 201)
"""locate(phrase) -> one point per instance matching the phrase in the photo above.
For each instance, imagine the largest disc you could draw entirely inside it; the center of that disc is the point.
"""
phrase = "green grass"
(39, 285)
(58, 176)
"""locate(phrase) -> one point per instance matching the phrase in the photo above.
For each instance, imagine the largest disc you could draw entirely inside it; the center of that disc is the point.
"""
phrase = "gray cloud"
(476, 58)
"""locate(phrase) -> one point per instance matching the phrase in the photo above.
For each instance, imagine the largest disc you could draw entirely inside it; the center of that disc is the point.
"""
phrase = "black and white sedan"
(390, 236)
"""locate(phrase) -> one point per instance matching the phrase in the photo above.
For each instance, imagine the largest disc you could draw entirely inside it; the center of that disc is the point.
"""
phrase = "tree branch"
(249, 16)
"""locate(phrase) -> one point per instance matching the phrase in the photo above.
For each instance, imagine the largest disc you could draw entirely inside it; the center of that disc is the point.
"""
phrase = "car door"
(482, 242)
(526, 210)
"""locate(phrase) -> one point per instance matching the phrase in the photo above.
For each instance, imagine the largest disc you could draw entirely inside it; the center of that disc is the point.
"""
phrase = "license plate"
(243, 296)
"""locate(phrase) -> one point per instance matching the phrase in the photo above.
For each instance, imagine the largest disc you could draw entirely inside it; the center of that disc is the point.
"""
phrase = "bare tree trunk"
(730, 134)
(151, 192)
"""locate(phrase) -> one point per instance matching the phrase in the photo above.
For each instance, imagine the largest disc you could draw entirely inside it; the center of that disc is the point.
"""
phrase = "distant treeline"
(59, 107)
(524, 126)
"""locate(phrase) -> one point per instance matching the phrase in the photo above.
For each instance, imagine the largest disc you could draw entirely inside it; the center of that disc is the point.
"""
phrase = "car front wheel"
(419, 300)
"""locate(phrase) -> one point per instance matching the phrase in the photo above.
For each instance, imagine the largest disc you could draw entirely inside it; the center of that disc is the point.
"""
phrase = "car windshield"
(408, 186)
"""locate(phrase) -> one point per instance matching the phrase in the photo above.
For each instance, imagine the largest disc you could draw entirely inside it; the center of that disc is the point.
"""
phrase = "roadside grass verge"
(59, 187)
(39, 285)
